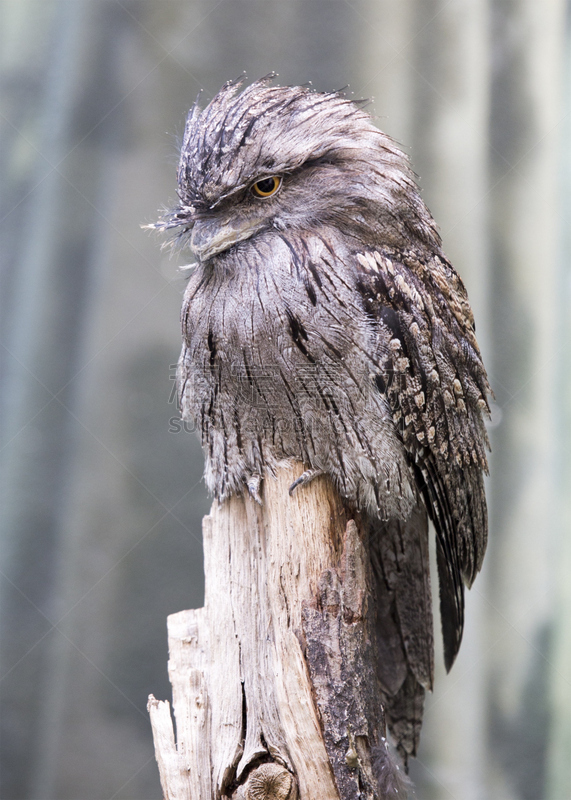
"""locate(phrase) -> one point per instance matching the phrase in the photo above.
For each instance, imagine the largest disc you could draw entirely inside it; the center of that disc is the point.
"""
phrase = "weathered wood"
(342, 670)
(275, 693)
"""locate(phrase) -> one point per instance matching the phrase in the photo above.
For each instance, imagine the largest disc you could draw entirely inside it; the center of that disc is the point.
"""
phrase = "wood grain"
(263, 676)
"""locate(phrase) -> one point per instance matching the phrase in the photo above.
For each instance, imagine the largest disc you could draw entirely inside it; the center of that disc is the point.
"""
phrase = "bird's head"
(272, 157)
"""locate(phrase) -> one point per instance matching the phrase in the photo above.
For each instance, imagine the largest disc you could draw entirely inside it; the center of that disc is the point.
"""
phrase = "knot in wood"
(270, 782)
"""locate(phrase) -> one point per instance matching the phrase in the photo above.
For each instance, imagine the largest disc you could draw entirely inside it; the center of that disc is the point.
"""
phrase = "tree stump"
(275, 692)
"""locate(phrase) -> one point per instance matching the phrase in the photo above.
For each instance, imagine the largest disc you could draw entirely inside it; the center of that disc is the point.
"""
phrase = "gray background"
(102, 506)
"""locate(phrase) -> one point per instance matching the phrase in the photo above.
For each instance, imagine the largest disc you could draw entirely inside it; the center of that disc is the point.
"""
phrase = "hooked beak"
(211, 236)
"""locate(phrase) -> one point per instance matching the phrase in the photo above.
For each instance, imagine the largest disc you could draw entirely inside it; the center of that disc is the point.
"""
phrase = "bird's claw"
(305, 478)
(253, 484)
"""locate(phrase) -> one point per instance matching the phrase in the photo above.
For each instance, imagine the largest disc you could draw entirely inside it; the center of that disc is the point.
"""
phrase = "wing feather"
(436, 385)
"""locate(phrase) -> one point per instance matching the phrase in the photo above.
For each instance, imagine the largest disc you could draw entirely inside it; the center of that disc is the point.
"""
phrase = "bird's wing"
(432, 374)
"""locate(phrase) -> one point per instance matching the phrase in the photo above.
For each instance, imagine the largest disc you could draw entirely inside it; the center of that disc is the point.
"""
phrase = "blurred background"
(101, 516)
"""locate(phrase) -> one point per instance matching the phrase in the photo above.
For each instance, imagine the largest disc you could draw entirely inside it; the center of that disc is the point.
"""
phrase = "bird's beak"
(211, 236)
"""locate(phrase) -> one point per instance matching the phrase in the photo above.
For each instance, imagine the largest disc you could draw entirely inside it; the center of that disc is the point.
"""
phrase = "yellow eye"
(267, 186)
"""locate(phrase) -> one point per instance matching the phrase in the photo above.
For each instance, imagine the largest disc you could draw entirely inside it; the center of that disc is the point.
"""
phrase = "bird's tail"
(404, 631)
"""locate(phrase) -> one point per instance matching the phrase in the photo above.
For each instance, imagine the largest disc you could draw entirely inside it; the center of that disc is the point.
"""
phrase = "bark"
(275, 693)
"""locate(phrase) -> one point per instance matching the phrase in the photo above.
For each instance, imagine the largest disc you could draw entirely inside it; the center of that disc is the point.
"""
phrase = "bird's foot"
(253, 484)
(305, 478)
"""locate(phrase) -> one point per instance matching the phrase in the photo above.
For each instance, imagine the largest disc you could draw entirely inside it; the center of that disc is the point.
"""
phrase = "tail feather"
(404, 717)
(399, 556)
(392, 782)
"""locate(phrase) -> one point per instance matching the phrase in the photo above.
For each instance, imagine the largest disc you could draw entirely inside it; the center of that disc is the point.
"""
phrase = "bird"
(323, 323)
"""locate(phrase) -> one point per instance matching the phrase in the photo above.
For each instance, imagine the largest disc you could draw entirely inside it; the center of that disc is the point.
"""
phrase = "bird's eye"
(267, 186)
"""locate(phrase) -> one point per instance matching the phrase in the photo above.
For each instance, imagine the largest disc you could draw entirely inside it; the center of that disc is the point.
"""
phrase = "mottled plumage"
(323, 323)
